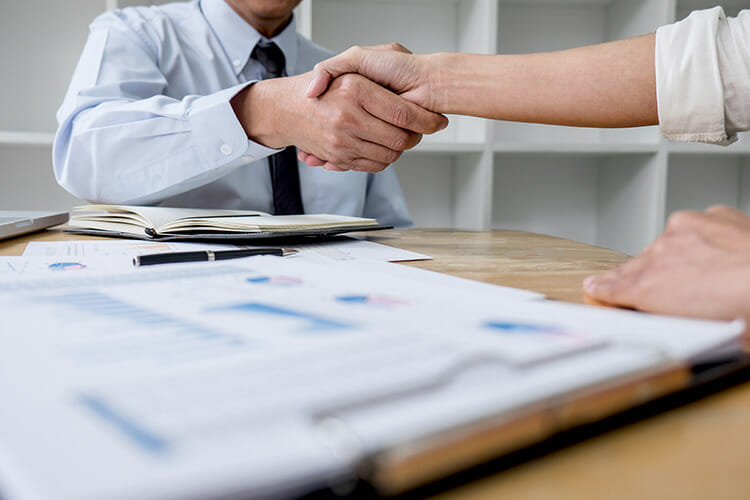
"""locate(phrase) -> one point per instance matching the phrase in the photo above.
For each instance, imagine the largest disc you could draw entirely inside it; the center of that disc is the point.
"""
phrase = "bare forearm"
(607, 85)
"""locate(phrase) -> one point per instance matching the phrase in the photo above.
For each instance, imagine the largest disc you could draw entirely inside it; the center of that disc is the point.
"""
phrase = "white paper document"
(356, 249)
(270, 378)
(111, 248)
(13, 268)
(340, 249)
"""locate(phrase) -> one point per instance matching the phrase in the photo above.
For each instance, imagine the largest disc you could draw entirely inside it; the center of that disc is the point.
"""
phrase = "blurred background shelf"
(26, 138)
(564, 148)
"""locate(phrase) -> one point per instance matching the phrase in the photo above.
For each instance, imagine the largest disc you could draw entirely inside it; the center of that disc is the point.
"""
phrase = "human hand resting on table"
(357, 124)
(699, 267)
(391, 66)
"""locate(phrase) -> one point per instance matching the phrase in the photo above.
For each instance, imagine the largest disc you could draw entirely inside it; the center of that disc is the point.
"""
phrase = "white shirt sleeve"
(121, 141)
(703, 77)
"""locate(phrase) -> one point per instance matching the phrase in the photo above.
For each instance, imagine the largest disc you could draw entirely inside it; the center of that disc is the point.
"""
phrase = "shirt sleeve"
(385, 200)
(121, 140)
(703, 77)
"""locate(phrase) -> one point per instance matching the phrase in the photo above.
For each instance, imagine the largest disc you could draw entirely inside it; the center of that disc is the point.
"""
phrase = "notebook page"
(100, 216)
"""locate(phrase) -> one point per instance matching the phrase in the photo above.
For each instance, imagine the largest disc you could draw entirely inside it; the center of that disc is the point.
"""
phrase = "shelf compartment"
(36, 72)
(565, 148)
(26, 138)
(525, 27)
(447, 190)
(421, 26)
(731, 7)
(695, 182)
(612, 201)
(29, 172)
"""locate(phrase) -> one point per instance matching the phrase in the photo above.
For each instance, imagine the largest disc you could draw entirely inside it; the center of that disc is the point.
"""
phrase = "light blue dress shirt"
(147, 118)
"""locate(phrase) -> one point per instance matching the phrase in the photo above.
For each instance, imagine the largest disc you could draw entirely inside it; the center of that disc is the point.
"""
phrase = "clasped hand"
(352, 123)
(406, 106)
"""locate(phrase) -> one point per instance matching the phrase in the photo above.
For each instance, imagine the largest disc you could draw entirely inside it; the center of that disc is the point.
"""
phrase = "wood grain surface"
(552, 266)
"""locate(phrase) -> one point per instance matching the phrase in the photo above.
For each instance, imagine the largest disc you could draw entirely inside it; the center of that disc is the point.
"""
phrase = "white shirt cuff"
(689, 89)
(219, 134)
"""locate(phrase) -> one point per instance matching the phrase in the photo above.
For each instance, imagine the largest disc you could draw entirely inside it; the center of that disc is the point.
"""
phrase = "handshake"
(357, 111)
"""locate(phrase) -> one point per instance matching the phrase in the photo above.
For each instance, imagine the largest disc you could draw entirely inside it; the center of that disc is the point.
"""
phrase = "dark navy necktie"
(287, 199)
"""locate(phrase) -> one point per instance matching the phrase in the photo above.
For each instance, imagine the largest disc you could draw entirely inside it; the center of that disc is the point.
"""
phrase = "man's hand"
(356, 125)
(699, 267)
(393, 66)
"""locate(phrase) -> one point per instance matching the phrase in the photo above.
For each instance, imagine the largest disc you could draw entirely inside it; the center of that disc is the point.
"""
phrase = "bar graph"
(526, 329)
(128, 427)
(136, 333)
(310, 322)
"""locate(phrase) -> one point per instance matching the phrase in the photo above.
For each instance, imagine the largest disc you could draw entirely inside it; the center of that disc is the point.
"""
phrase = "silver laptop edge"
(18, 222)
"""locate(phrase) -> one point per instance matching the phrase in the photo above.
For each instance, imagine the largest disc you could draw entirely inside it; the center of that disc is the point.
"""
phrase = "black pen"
(208, 255)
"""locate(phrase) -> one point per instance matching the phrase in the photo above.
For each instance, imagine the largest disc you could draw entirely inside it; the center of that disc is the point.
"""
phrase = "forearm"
(607, 85)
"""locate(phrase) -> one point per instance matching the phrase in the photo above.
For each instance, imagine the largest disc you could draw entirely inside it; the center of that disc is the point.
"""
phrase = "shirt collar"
(239, 38)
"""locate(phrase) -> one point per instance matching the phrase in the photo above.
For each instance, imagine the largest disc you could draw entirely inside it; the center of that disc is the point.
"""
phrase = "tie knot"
(271, 57)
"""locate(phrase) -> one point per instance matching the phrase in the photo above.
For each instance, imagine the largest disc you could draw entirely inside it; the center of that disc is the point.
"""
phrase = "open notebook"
(274, 378)
(166, 223)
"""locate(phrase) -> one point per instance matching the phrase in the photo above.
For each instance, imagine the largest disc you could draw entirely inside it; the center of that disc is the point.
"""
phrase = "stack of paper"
(271, 377)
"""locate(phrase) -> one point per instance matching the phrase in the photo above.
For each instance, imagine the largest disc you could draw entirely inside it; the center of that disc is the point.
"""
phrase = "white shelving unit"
(41, 44)
(613, 188)
(608, 187)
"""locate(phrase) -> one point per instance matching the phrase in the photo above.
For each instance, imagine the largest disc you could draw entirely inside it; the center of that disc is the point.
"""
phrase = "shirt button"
(226, 149)
(247, 158)
(236, 62)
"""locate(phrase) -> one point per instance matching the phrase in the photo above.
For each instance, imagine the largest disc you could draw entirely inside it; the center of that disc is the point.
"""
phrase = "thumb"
(350, 61)
(323, 72)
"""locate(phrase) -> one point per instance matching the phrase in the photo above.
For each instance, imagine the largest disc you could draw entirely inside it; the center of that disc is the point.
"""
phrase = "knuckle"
(375, 167)
(681, 219)
(338, 143)
(349, 81)
(400, 141)
(339, 119)
(435, 122)
(660, 246)
(397, 47)
(402, 116)
(391, 156)
(413, 139)
(718, 210)
(349, 157)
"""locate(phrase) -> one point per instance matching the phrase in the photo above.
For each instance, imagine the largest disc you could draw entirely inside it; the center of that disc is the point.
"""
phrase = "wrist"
(441, 81)
(254, 107)
(463, 84)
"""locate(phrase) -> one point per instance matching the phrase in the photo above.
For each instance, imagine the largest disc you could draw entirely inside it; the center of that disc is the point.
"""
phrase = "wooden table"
(700, 450)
